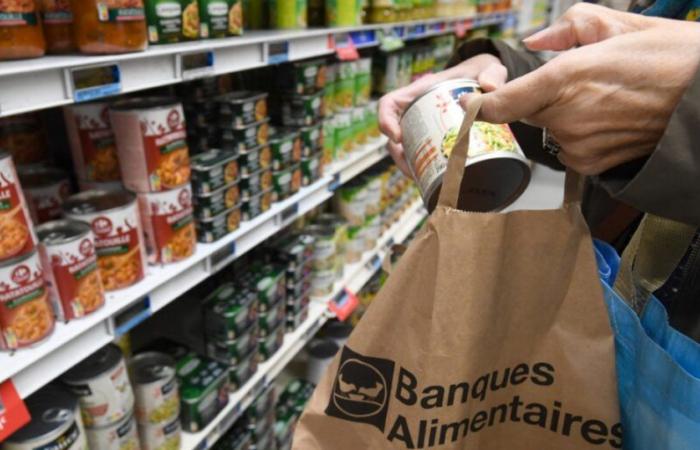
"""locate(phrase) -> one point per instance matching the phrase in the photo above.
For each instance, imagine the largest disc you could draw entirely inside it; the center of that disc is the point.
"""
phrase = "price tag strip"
(127, 319)
(196, 65)
(91, 83)
(286, 215)
(220, 257)
(277, 52)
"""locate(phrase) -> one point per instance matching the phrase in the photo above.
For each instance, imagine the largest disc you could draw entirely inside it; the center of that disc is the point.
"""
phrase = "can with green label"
(288, 14)
(345, 85)
(363, 85)
(220, 18)
(172, 21)
(329, 143)
(359, 130)
(343, 132)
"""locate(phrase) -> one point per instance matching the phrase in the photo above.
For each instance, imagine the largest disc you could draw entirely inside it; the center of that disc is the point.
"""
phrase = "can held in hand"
(496, 170)
(67, 249)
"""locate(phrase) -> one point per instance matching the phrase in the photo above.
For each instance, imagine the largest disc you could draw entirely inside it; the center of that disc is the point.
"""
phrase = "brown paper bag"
(490, 333)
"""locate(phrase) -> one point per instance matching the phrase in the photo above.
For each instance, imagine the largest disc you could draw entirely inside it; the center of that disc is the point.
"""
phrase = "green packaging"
(345, 85)
(288, 14)
(311, 138)
(172, 21)
(329, 142)
(234, 351)
(229, 312)
(342, 13)
(203, 390)
(343, 132)
(220, 18)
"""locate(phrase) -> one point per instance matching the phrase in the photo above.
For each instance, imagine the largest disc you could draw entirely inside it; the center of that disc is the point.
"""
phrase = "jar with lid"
(57, 20)
(109, 26)
(21, 35)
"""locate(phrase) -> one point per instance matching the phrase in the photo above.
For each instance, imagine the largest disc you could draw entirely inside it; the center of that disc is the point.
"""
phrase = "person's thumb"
(492, 77)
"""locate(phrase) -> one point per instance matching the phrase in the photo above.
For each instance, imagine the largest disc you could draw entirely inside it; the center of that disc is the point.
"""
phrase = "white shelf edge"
(357, 274)
(32, 368)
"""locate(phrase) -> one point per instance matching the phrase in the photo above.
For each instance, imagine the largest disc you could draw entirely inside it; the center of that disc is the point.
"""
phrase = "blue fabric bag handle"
(658, 370)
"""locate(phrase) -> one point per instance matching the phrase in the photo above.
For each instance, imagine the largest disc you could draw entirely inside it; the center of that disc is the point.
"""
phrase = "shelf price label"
(345, 47)
(335, 183)
(196, 65)
(133, 315)
(374, 264)
(415, 31)
(221, 257)
(287, 214)
(277, 52)
(344, 304)
(91, 83)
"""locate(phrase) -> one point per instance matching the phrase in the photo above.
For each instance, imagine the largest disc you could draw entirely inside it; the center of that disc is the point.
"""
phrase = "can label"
(117, 436)
(45, 201)
(119, 246)
(71, 273)
(157, 402)
(169, 224)
(16, 233)
(92, 142)
(169, 20)
(160, 437)
(120, 11)
(56, 12)
(18, 14)
(26, 316)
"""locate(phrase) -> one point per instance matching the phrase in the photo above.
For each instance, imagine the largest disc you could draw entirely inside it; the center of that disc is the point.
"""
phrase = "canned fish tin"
(214, 169)
(312, 138)
(311, 168)
(286, 182)
(151, 143)
(243, 371)
(303, 77)
(234, 351)
(67, 249)
(168, 223)
(92, 142)
(55, 423)
(26, 316)
(496, 170)
(115, 221)
(302, 110)
(240, 139)
(120, 435)
(203, 389)
(255, 183)
(102, 384)
(255, 205)
(229, 312)
(214, 203)
(256, 158)
(241, 108)
(216, 227)
(46, 188)
(16, 232)
(155, 388)
(270, 319)
(267, 346)
(286, 147)
(160, 436)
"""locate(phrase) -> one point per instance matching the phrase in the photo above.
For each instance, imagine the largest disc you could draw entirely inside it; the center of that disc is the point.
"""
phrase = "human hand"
(608, 102)
(485, 68)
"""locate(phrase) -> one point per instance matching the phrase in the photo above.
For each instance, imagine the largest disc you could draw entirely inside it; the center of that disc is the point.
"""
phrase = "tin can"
(250, 136)
(311, 168)
(55, 423)
(216, 227)
(343, 132)
(115, 221)
(67, 249)
(303, 77)
(324, 246)
(255, 205)
(345, 85)
(312, 138)
(214, 169)
(302, 110)
(119, 435)
(234, 351)
(288, 14)
(359, 132)
(363, 85)
(243, 371)
(16, 231)
(351, 202)
(24, 137)
(286, 147)
(151, 143)
(255, 183)
(155, 388)
(286, 182)
(241, 108)
(496, 170)
(100, 185)
(254, 159)
(268, 345)
(102, 384)
(229, 312)
(160, 436)
(355, 244)
(270, 319)
(214, 203)
(168, 222)
(204, 388)
(322, 282)
(92, 142)
(26, 316)
(171, 21)
(46, 188)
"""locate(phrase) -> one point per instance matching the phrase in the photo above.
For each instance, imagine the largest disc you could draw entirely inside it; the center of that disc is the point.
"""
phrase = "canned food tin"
(213, 169)
(241, 108)
(329, 142)
(229, 312)
(16, 232)
(171, 21)
(269, 282)
(297, 288)
(102, 384)
(100, 185)
(256, 158)
(303, 77)
(359, 132)
(302, 110)
(67, 249)
(286, 148)
(243, 371)
(322, 282)
(371, 231)
(214, 203)
(343, 132)
(286, 182)
(311, 168)
(216, 227)
(255, 205)
(26, 316)
(496, 170)
(345, 84)
(203, 388)
(168, 223)
(240, 139)
(312, 138)
(115, 221)
(151, 143)
(24, 137)
(234, 351)
(120, 435)
(92, 142)
(267, 346)
(220, 18)
(355, 244)
(373, 195)
(271, 319)
(155, 388)
(324, 246)
(255, 183)
(55, 423)
(351, 202)
(46, 189)
(295, 319)
(160, 436)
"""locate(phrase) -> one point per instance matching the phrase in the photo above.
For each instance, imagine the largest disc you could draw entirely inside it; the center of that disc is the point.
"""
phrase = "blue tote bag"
(658, 370)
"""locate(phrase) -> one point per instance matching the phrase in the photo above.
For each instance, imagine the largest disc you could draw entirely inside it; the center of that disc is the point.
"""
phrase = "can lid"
(211, 158)
(323, 348)
(61, 231)
(94, 365)
(37, 175)
(238, 97)
(148, 367)
(144, 103)
(52, 409)
(97, 201)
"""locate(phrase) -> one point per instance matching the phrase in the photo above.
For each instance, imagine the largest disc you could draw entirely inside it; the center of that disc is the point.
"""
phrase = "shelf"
(33, 84)
(355, 276)
(70, 343)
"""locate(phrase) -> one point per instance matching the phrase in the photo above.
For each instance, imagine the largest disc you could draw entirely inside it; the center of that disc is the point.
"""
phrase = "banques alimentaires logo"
(362, 392)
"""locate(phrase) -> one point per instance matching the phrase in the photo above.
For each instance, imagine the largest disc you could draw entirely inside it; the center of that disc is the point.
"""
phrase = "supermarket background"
(263, 205)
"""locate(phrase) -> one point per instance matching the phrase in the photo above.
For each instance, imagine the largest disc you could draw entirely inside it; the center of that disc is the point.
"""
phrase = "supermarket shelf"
(355, 276)
(31, 368)
(33, 84)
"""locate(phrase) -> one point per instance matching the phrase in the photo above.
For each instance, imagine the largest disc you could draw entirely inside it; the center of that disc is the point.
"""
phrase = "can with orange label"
(16, 231)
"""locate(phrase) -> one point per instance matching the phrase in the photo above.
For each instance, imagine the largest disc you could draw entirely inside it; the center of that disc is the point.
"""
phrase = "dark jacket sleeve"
(668, 182)
(518, 64)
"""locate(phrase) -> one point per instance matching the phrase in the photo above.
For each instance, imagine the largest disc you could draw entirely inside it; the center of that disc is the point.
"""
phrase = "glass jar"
(109, 26)
(57, 20)
(21, 35)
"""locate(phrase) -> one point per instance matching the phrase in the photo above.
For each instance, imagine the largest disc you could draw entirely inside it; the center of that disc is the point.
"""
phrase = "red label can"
(16, 231)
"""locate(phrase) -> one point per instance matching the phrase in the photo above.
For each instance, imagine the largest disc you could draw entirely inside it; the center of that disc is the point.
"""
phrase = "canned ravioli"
(16, 232)
(46, 189)
(496, 170)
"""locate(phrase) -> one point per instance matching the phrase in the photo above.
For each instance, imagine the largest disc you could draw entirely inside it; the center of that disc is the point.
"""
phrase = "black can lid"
(94, 365)
(52, 410)
(323, 348)
(337, 329)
